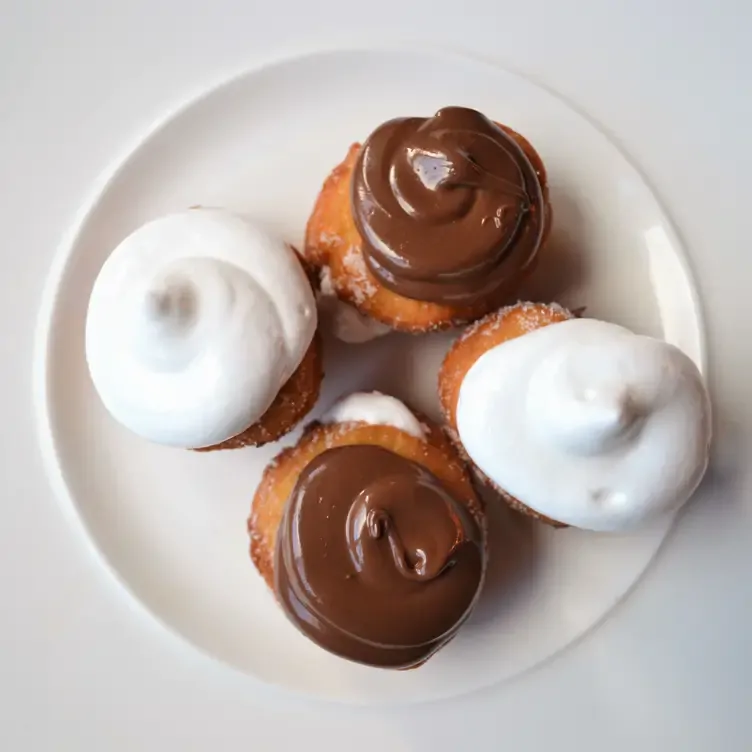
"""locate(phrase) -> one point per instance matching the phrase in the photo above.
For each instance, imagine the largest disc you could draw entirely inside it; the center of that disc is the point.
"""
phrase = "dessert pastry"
(577, 421)
(433, 222)
(370, 534)
(201, 333)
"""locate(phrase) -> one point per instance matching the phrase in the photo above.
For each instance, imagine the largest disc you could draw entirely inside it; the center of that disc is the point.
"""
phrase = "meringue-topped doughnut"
(195, 323)
(449, 207)
(587, 423)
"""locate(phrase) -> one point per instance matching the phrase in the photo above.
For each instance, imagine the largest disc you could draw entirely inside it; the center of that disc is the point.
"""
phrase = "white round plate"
(171, 523)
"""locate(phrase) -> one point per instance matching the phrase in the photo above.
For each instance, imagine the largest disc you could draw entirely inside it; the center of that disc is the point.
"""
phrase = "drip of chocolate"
(375, 560)
(450, 208)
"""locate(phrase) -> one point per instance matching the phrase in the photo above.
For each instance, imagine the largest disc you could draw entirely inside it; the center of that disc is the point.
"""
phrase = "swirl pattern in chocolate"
(375, 560)
(450, 208)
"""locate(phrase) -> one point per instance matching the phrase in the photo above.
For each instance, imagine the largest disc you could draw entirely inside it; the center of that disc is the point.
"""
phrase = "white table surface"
(81, 669)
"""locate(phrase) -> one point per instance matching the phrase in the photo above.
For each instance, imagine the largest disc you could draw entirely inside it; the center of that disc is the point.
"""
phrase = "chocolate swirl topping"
(375, 560)
(449, 207)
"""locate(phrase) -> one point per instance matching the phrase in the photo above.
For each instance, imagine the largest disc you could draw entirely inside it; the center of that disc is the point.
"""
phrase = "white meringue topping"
(588, 423)
(376, 409)
(195, 322)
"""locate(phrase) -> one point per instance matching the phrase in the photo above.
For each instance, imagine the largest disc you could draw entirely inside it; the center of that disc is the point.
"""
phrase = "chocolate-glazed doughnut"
(375, 559)
(450, 208)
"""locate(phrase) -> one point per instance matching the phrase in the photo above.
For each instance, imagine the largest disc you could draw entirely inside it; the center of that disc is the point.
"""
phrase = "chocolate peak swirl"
(449, 207)
(375, 560)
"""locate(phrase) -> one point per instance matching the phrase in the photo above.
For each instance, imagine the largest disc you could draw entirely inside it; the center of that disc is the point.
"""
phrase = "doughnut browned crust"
(435, 454)
(333, 240)
(294, 401)
(508, 323)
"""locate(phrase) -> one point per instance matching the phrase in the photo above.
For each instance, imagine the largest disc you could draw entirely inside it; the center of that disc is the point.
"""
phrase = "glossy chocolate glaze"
(450, 208)
(375, 560)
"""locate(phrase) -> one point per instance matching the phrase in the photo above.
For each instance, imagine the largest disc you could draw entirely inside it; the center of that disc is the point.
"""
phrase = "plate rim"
(62, 254)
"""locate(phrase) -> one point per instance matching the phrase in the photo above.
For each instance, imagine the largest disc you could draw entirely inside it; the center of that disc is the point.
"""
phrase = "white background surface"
(81, 670)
